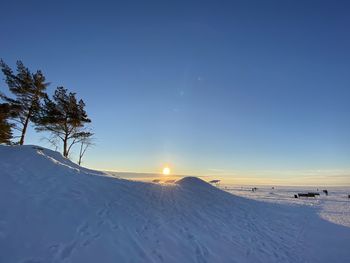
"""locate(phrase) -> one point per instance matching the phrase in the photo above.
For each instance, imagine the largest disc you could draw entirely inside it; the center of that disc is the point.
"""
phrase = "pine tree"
(5, 126)
(65, 118)
(28, 89)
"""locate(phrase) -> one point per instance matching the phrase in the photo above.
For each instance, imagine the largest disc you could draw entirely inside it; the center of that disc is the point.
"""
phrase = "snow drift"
(52, 210)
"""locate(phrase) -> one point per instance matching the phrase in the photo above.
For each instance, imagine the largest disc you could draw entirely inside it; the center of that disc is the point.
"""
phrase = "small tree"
(5, 126)
(85, 143)
(65, 118)
(28, 89)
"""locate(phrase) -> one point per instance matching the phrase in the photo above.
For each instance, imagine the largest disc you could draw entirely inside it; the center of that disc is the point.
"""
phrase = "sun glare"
(166, 170)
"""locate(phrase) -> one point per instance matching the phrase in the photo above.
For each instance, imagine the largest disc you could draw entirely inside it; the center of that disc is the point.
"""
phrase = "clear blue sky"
(231, 88)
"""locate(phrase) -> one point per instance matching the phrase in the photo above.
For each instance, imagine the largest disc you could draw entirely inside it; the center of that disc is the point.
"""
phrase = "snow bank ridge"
(193, 182)
(32, 157)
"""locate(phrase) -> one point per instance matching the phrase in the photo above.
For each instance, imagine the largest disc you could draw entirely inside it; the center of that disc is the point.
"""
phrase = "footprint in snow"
(67, 250)
(82, 229)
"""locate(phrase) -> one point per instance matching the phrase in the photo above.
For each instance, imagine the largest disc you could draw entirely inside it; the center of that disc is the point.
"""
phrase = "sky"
(238, 90)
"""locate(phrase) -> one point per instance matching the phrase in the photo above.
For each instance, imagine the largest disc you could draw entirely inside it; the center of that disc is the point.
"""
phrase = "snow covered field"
(335, 207)
(52, 210)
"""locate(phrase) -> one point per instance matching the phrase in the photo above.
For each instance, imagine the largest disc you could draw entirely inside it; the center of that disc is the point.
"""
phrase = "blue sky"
(226, 88)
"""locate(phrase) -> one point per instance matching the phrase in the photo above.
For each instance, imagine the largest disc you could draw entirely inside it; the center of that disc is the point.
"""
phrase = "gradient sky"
(239, 89)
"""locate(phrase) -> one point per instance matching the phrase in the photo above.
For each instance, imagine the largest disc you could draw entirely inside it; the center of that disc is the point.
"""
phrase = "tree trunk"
(65, 141)
(80, 153)
(24, 130)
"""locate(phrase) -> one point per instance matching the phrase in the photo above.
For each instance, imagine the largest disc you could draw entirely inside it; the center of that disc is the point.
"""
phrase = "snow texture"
(52, 210)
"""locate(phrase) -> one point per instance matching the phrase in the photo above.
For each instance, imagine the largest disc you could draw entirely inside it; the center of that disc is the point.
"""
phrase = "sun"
(166, 170)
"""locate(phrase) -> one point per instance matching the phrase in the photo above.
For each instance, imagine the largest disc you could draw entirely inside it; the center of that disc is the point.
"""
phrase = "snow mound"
(32, 157)
(52, 210)
(193, 182)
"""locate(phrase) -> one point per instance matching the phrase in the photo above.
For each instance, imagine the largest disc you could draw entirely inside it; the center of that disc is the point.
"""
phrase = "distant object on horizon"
(215, 182)
(310, 194)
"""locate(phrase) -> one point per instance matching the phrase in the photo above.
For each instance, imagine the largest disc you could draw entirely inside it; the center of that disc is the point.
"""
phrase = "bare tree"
(52, 140)
(85, 143)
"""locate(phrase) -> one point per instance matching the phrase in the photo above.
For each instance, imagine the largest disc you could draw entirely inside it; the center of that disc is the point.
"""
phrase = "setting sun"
(166, 170)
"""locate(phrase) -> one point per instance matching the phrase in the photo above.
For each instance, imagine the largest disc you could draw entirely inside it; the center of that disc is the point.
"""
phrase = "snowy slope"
(52, 210)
